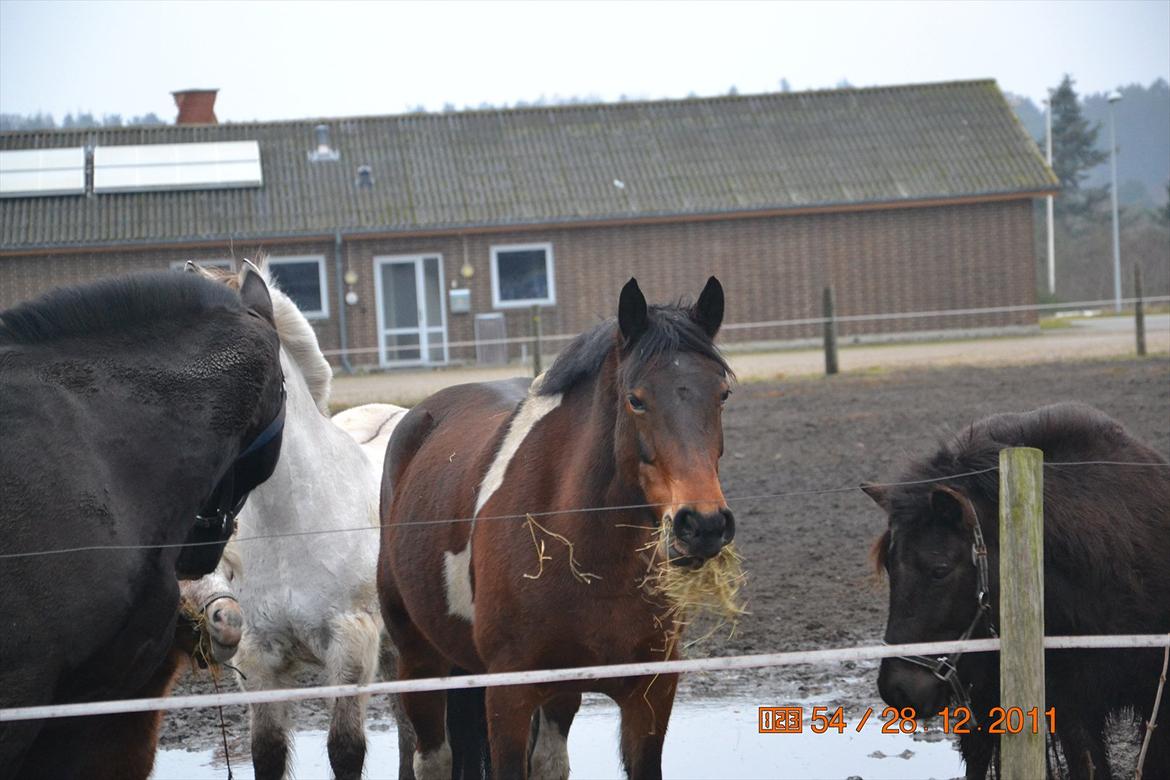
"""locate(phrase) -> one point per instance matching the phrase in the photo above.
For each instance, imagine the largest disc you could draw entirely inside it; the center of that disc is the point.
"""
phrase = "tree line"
(43, 121)
(1083, 208)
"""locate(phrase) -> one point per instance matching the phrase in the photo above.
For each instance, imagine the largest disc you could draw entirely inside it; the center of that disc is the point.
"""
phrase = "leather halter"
(946, 667)
(219, 513)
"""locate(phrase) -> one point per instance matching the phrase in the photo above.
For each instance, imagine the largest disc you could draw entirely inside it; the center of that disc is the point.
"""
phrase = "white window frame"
(550, 269)
(424, 332)
(323, 312)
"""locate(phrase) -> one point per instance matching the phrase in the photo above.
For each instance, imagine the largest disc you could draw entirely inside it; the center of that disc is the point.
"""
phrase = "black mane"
(671, 330)
(1064, 432)
(112, 304)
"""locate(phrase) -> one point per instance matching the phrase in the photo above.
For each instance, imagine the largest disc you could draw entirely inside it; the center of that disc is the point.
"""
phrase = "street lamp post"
(1051, 233)
(1114, 97)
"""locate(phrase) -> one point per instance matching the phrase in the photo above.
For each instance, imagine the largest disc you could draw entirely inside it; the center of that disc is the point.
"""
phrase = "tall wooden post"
(1139, 311)
(830, 331)
(1021, 607)
(536, 328)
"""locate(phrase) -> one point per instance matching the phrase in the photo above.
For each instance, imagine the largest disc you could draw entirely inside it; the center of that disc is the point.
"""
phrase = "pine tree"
(1074, 154)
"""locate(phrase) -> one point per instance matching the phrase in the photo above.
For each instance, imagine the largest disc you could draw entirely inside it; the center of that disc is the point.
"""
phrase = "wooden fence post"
(536, 328)
(1139, 312)
(1021, 610)
(830, 330)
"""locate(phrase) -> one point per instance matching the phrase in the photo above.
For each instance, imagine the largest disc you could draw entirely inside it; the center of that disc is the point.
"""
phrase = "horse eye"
(724, 396)
(940, 571)
(636, 403)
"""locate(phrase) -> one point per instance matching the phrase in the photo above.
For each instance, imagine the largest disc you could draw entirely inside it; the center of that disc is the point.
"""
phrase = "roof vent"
(365, 177)
(323, 152)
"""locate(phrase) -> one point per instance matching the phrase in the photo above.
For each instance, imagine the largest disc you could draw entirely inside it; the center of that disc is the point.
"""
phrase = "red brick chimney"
(196, 106)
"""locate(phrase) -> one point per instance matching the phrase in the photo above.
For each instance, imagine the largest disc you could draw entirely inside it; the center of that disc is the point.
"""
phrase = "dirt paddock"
(811, 584)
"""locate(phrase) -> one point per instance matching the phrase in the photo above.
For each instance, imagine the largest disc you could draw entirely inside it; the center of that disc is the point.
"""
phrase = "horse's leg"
(467, 733)
(645, 715)
(351, 659)
(550, 751)
(509, 717)
(427, 712)
(977, 750)
(389, 668)
(263, 665)
(1081, 736)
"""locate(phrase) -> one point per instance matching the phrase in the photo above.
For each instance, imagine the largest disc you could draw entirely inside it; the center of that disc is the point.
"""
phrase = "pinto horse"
(1106, 571)
(627, 418)
(138, 413)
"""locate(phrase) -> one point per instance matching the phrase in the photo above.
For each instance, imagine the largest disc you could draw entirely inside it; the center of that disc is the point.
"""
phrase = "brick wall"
(946, 257)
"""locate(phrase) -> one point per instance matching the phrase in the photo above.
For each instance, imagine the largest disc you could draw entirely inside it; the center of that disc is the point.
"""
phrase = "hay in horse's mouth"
(711, 588)
(202, 654)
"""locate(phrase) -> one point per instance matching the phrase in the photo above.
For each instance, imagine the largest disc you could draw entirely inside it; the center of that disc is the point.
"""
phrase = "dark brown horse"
(1106, 571)
(629, 416)
(137, 414)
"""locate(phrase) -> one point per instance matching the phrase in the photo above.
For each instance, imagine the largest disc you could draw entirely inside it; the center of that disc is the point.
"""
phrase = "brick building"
(398, 234)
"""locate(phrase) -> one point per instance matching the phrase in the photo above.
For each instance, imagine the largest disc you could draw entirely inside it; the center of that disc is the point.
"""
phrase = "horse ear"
(254, 292)
(633, 316)
(951, 505)
(708, 310)
(192, 267)
(877, 493)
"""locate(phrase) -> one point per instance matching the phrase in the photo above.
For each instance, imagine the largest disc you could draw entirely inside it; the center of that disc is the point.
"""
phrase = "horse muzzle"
(225, 627)
(902, 684)
(698, 536)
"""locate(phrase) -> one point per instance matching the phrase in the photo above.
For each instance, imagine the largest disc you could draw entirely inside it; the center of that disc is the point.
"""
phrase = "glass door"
(412, 317)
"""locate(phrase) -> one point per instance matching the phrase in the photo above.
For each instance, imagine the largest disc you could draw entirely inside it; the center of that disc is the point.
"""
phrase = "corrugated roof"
(549, 165)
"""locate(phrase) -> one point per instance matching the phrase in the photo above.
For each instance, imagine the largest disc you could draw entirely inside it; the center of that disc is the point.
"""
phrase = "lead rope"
(227, 758)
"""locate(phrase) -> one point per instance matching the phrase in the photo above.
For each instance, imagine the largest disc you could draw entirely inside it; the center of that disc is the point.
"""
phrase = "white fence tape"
(566, 675)
(901, 315)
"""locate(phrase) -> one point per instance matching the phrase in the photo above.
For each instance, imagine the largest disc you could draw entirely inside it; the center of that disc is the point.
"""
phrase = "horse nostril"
(685, 524)
(728, 525)
(217, 616)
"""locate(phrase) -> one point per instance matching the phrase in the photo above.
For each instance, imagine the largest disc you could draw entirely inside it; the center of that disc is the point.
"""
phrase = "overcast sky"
(275, 60)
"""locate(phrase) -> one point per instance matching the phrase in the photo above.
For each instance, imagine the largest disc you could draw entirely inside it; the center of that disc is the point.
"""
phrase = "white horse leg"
(265, 668)
(351, 658)
(549, 755)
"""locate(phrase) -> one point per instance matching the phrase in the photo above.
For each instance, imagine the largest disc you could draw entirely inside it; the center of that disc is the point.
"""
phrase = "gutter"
(371, 233)
(339, 284)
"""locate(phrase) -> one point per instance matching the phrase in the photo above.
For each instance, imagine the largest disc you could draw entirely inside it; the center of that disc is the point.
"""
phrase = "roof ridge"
(508, 110)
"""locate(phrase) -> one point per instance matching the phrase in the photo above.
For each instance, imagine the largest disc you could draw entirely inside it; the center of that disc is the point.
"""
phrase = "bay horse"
(308, 598)
(1106, 571)
(628, 418)
(138, 412)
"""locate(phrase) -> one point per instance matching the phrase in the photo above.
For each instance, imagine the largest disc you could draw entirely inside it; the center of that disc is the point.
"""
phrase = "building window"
(303, 280)
(522, 275)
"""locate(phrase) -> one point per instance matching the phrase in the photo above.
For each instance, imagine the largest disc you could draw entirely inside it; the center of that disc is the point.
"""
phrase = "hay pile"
(712, 590)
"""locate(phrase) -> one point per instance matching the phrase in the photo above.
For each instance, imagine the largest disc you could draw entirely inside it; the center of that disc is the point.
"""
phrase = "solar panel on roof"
(198, 166)
(41, 172)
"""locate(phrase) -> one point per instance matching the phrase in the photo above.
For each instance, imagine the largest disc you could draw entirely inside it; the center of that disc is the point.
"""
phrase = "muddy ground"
(811, 582)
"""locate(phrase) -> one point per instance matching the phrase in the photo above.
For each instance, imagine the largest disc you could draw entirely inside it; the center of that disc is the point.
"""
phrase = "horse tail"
(467, 733)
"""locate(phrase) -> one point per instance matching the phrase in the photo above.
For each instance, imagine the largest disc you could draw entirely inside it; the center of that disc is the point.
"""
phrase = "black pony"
(1106, 571)
(137, 413)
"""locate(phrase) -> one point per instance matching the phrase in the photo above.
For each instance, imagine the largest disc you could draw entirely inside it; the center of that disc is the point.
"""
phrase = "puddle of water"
(707, 738)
